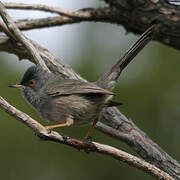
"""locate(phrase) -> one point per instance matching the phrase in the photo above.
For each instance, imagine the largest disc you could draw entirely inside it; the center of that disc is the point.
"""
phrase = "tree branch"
(23, 6)
(17, 36)
(135, 16)
(118, 126)
(90, 14)
(88, 146)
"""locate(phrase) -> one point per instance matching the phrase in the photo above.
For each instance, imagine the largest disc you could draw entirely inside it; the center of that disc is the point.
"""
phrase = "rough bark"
(137, 15)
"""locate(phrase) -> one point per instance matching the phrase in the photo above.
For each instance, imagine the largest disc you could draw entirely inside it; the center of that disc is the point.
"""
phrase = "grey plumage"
(57, 99)
(75, 102)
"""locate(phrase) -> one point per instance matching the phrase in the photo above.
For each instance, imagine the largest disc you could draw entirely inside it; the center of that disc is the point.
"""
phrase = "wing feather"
(63, 87)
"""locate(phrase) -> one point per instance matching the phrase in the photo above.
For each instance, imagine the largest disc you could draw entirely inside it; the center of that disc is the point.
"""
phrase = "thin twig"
(19, 37)
(78, 14)
(90, 14)
(42, 132)
(133, 19)
(28, 24)
(4, 29)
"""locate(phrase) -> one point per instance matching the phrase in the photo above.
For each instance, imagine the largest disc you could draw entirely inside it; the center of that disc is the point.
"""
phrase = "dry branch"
(135, 16)
(45, 8)
(87, 146)
(16, 35)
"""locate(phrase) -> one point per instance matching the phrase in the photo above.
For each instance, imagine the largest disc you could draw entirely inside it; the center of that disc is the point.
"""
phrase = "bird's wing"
(70, 86)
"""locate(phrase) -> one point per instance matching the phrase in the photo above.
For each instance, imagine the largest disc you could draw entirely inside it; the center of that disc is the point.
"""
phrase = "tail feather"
(114, 103)
(108, 80)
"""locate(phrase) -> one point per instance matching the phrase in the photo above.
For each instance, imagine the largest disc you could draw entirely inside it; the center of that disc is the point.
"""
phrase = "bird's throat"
(32, 97)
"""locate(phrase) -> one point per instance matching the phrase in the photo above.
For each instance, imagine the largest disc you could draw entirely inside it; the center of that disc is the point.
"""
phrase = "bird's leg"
(90, 129)
(56, 125)
(94, 124)
(69, 122)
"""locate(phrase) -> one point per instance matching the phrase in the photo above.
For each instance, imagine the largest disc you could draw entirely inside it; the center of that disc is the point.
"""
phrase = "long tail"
(108, 80)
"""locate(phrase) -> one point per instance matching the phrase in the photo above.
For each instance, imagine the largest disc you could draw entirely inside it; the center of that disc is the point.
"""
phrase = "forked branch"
(118, 126)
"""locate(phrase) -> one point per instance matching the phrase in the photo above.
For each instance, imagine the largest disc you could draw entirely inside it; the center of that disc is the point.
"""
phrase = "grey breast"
(82, 108)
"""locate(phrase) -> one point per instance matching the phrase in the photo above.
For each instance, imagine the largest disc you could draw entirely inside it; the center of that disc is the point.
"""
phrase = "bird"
(69, 102)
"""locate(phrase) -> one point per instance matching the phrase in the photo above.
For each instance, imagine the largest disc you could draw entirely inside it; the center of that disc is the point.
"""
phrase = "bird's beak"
(16, 86)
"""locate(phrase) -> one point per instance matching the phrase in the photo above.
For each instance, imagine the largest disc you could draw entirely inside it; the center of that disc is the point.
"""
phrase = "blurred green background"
(149, 89)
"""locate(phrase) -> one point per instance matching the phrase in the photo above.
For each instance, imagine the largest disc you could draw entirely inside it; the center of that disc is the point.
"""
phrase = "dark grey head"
(33, 80)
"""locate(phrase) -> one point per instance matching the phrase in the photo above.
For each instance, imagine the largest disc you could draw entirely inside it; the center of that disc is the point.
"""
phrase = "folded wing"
(63, 87)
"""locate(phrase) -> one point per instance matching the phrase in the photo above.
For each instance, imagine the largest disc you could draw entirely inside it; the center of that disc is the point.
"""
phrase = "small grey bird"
(68, 102)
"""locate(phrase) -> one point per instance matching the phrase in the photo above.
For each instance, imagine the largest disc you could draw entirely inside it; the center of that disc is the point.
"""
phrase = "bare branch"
(134, 16)
(28, 24)
(54, 64)
(122, 128)
(42, 132)
(90, 14)
(68, 17)
(21, 6)
(19, 37)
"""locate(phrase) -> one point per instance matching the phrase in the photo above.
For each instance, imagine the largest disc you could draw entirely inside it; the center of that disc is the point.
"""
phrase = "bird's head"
(33, 79)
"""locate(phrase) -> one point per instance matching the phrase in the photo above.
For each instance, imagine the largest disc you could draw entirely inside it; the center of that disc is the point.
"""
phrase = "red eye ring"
(31, 82)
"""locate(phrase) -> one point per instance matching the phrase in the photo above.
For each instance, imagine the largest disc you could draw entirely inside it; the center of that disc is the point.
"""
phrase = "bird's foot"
(49, 129)
(88, 138)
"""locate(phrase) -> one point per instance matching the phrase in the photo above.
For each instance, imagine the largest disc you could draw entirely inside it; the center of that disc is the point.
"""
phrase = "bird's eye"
(31, 82)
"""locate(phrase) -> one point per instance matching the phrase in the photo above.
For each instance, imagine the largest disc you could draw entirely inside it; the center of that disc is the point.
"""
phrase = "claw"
(89, 138)
(49, 129)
